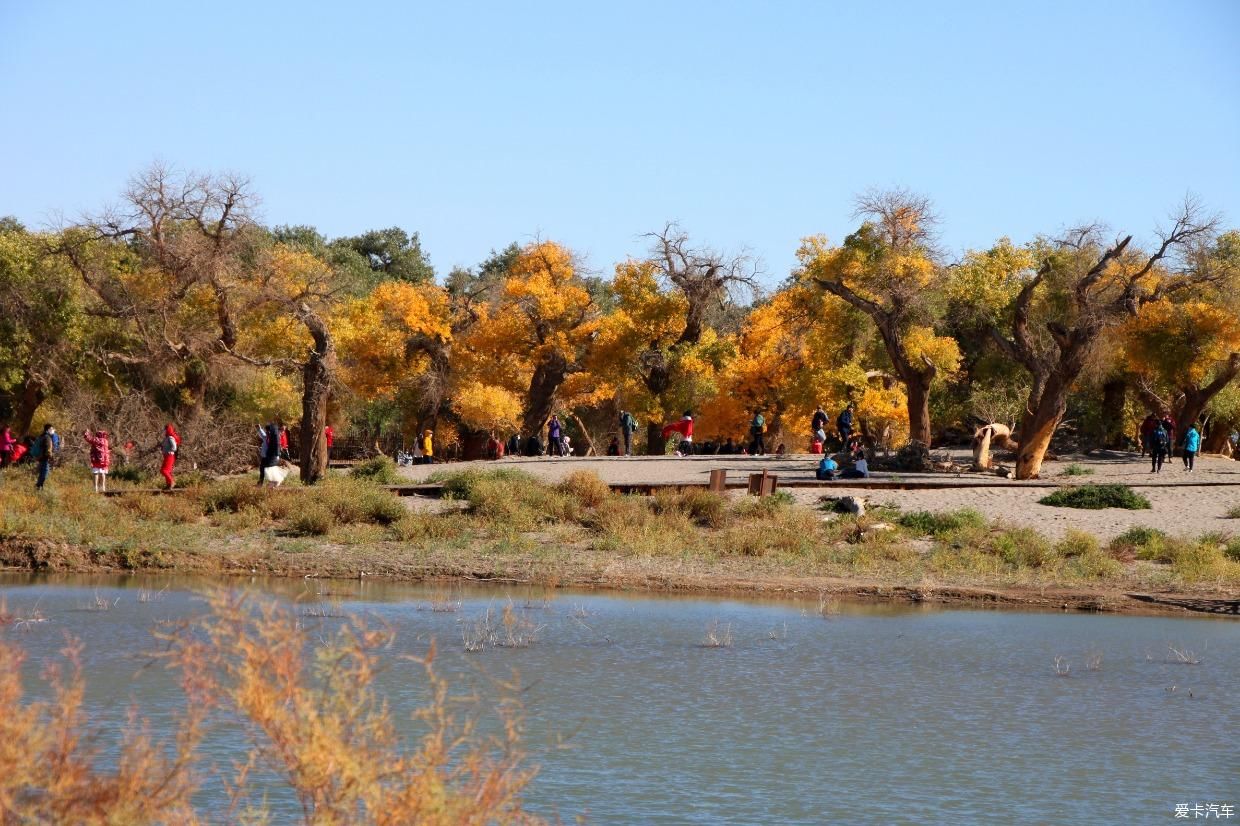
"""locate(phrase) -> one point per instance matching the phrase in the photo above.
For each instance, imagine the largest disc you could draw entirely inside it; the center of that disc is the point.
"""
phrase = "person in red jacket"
(1147, 430)
(329, 436)
(168, 446)
(685, 428)
(100, 458)
(7, 442)
(284, 443)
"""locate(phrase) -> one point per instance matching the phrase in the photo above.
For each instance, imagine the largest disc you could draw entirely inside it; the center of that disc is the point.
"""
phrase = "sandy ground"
(1182, 504)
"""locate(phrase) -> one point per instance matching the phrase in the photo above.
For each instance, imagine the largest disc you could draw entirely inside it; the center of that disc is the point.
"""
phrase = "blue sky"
(752, 124)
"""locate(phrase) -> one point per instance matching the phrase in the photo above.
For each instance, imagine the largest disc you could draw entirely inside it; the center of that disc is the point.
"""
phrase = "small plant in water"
(100, 604)
(147, 595)
(827, 607)
(519, 631)
(1093, 660)
(1183, 656)
(579, 611)
(717, 636)
(1063, 668)
(332, 610)
(442, 604)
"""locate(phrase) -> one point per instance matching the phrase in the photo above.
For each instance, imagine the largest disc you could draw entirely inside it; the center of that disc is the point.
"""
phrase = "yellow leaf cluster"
(487, 407)
(1181, 344)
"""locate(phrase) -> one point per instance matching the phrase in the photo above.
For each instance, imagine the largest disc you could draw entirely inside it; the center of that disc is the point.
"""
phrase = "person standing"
(1160, 446)
(168, 446)
(284, 454)
(628, 426)
(268, 450)
(1192, 443)
(428, 447)
(514, 445)
(1168, 425)
(329, 436)
(1147, 430)
(555, 447)
(757, 434)
(7, 443)
(818, 422)
(844, 424)
(100, 458)
(44, 447)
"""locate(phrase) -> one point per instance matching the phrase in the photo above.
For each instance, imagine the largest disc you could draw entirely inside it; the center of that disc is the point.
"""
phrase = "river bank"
(501, 525)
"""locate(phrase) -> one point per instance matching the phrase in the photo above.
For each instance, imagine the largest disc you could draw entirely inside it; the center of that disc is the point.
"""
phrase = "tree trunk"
(656, 445)
(1218, 440)
(985, 438)
(587, 448)
(1114, 395)
(31, 396)
(1038, 427)
(548, 376)
(317, 375)
(918, 386)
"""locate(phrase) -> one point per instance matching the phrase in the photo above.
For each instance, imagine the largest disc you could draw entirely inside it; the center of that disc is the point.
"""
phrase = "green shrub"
(380, 470)
(1231, 549)
(1078, 543)
(1024, 548)
(1233, 512)
(1135, 540)
(1096, 497)
(1095, 564)
(313, 519)
(1077, 470)
(1203, 562)
(927, 523)
(233, 496)
(132, 474)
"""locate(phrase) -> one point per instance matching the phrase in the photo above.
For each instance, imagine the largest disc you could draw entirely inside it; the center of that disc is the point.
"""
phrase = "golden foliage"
(1181, 344)
(487, 407)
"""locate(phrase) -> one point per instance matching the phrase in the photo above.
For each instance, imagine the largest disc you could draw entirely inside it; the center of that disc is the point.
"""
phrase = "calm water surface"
(876, 714)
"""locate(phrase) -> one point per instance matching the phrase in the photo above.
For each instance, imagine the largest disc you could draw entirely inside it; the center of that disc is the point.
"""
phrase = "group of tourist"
(1158, 439)
(43, 453)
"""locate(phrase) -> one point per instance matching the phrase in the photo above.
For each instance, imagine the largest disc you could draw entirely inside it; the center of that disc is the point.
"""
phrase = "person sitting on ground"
(827, 469)
(533, 446)
(613, 447)
(100, 458)
(859, 470)
(514, 445)
(495, 450)
(781, 450)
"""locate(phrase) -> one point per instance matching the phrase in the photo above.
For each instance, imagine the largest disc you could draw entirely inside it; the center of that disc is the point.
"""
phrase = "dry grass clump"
(421, 527)
(585, 487)
(1085, 558)
(927, 523)
(704, 508)
(351, 501)
(509, 500)
(310, 714)
(1024, 548)
(1203, 561)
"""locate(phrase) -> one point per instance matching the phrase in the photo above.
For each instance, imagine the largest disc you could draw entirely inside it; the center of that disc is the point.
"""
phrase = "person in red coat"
(100, 458)
(685, 428)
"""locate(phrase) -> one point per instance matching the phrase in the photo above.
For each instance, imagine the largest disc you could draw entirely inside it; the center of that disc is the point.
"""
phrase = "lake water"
(872, 714)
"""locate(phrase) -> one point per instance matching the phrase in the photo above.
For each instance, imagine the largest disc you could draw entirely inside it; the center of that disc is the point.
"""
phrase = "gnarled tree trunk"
(317, 376)
(549, 374)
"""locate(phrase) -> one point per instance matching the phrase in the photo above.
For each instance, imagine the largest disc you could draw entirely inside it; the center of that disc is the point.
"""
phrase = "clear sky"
(752, 124)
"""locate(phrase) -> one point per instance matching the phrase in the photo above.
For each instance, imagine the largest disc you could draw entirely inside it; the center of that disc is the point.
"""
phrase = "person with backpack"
(757, 434)
(1192, 443)
(168, 446)
(1168, 424)
(7, 443)
(43, 449)
(844, 424)
(1160, 447)
(628, 426)
(100, 458)
(514, 444)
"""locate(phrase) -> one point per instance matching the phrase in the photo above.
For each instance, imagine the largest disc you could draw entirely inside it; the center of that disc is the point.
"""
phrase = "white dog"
(275, 476)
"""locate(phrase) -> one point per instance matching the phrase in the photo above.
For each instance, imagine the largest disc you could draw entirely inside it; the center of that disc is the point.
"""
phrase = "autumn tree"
(41, 324)
(533, 334)
(888, 270)
(1185, 348)
(658, 346)
(1081, 288)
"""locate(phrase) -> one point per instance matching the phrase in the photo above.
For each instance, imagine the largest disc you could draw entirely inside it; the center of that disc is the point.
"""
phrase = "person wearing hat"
(428, 447)
(100, 458)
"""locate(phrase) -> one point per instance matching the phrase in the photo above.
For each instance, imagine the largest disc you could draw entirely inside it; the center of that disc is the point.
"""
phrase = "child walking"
(100, 458)
(168, 446)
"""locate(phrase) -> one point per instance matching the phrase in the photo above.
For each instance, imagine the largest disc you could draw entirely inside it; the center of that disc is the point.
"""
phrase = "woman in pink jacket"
(100, 458)
(7, 442)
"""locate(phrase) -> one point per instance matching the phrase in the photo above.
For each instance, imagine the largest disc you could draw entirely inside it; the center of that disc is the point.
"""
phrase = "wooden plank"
(718, 481)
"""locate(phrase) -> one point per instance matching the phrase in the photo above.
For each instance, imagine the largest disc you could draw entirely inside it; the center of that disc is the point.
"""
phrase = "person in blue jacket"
(827, 469)
(1192, 443)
